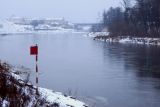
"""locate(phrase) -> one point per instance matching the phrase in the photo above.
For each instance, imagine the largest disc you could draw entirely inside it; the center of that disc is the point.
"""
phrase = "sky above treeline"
(75, 11)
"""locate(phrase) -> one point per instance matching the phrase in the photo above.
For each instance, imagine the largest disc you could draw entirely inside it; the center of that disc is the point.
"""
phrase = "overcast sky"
(72, 10)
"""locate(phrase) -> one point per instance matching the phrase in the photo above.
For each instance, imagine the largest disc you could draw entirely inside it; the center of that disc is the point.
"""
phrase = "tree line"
(142, 19)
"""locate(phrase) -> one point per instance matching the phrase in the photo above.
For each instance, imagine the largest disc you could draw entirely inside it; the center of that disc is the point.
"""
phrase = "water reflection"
(106, 74)
(143, 64)
(143, 59)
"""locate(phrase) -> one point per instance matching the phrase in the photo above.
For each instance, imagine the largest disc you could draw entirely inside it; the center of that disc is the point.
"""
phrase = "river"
(103, 74)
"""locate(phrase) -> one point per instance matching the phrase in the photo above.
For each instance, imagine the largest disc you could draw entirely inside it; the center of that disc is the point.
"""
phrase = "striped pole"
(37, 74)
(34, 51)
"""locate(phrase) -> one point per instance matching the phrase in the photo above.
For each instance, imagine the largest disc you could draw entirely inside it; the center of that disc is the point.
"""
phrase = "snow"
(17, 77)
(126, 40)
(57, 97)
(94, 34)
(51, 97)
(10, 27)
(138, 40)
(5, 103)
(102, 36)
(18, 25)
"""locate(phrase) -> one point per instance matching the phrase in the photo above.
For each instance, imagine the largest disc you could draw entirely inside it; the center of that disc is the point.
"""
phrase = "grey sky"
(72, 10)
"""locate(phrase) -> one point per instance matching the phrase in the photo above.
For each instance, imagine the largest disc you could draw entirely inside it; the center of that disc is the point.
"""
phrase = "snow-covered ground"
(134, 40)
(103, 36)
(9, 27)
(24, 25)
(46, 97)
(57, 97)
(94, 34)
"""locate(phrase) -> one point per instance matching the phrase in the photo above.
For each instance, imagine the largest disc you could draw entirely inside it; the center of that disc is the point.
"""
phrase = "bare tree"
(126, 3)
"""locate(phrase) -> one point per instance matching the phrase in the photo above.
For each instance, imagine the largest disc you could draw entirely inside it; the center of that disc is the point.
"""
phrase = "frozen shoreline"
(124, 39)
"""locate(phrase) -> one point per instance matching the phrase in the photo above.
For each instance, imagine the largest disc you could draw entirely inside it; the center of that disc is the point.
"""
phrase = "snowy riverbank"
(124, 39)
(17, 91)
(95, 34)
(26, 26)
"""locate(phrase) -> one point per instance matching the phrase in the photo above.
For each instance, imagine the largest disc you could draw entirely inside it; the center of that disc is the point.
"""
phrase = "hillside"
(30, 25)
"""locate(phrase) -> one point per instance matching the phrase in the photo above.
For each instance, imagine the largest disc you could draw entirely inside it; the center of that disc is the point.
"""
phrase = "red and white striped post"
(34, 51)
(37, 73)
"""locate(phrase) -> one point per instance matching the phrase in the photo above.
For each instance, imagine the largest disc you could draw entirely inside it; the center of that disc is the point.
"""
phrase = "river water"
(103, 74)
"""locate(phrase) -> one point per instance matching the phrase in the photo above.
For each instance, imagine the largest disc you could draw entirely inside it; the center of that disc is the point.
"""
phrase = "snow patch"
(94, 34)
(50, 97)
(57, 97)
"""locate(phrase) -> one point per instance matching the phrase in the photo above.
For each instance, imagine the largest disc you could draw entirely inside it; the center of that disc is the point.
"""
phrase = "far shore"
(124, 39)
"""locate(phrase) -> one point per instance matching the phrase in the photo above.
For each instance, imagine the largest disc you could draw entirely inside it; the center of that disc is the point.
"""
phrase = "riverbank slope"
(16, 92)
